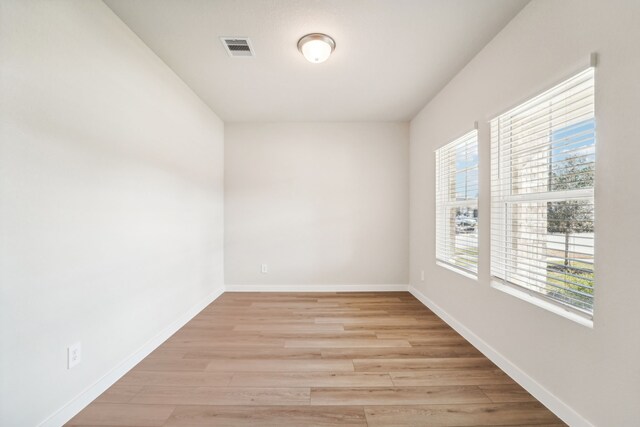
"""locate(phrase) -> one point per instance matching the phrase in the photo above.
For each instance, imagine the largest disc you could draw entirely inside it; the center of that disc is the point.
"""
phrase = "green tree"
(571, 216)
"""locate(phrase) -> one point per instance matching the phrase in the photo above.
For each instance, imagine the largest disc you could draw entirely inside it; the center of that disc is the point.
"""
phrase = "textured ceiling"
(392, 56)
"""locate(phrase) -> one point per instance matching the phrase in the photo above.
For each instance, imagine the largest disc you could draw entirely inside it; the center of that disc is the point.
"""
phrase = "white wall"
(111, 215)
(594, 371)
(319, 203)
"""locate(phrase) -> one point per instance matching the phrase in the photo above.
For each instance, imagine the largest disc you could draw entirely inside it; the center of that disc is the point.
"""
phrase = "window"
(542, 199)
(457, 203)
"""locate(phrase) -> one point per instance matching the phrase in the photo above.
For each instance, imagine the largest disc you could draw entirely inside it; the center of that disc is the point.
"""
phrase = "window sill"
(458, 270)
(580, 318)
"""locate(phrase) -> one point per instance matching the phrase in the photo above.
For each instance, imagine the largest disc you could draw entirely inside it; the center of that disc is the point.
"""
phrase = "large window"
(542, 199)
(457, 203)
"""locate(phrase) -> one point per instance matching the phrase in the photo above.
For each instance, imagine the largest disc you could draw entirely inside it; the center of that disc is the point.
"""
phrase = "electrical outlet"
(422, 275)
(74, 355)
(264, 268)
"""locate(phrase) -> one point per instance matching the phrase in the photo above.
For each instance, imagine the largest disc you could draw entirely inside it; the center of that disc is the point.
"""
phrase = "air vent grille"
(238, 47)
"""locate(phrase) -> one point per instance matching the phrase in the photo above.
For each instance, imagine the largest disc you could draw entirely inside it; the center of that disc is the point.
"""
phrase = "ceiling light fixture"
(316, 47)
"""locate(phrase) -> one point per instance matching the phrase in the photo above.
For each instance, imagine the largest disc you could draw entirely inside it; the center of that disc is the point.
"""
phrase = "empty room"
(319, 213)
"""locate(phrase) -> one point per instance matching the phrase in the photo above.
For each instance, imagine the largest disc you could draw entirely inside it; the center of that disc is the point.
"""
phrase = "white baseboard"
(316, 288)
(557, 406)
(78, 403)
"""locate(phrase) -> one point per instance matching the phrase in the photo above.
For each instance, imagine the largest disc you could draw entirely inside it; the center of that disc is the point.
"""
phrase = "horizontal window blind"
(457, 203)
(542, 200)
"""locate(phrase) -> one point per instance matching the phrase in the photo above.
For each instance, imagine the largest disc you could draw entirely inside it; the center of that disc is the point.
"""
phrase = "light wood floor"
(301, 359)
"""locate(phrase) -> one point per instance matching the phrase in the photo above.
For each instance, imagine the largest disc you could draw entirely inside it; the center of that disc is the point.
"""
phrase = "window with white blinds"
(542, 199)
(457, 203)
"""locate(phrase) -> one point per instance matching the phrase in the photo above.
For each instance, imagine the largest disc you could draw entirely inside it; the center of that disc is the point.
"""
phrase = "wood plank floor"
(316, 359)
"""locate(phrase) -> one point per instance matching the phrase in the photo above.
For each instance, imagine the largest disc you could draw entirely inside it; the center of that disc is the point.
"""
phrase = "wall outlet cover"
(74, 355)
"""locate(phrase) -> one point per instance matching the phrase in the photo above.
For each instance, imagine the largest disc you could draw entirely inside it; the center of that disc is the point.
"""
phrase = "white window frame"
(502, 197)
(446, 200)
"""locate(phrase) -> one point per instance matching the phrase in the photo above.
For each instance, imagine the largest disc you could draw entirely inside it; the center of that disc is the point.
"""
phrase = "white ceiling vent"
(238, 47)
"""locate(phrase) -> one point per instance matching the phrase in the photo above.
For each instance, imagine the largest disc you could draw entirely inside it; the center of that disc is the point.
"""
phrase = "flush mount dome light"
(316, 47)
